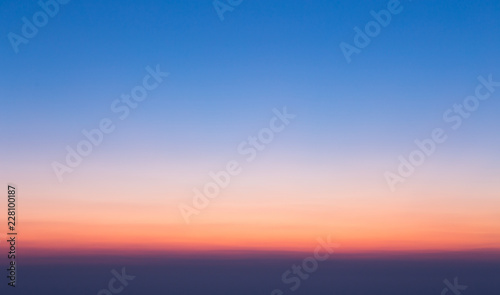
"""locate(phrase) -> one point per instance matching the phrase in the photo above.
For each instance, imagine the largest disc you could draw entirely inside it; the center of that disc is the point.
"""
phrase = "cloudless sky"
(353, 120)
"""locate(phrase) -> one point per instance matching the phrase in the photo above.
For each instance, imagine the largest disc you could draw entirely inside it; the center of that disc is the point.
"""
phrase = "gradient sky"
(323, 175)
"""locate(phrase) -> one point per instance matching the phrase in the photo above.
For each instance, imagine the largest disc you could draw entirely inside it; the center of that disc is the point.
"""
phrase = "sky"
(323, 174)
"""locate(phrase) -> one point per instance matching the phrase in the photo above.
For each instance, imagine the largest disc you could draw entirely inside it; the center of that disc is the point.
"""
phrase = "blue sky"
(262, 55)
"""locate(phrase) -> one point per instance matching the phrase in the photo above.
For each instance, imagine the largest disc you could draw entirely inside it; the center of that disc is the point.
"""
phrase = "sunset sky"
(322, 175)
